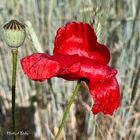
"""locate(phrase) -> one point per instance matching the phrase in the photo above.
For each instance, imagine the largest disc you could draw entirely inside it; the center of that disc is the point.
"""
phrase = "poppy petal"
(96, 73)
(39, 66)
(106, 96)
(80, 38)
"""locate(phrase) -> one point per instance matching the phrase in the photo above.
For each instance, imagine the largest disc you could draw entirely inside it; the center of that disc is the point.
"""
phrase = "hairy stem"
(67, 110)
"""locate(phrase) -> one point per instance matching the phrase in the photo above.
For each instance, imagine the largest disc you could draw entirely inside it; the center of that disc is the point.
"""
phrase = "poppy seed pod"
(14, 33)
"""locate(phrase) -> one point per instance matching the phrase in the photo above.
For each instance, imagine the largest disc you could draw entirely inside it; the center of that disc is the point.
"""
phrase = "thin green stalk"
(67, 110)
(14, 61)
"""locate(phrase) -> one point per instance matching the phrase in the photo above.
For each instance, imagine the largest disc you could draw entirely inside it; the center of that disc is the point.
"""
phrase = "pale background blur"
(40, 106)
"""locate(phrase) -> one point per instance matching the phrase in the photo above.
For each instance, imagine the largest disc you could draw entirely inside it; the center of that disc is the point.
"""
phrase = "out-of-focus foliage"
(40, 106)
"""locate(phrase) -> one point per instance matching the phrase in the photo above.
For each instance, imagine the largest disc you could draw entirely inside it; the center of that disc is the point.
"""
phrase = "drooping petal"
(106, 96)
(80, 38)
(40, 66)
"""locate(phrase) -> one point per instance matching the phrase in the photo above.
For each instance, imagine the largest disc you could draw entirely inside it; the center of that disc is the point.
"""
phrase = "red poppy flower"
(78, 55)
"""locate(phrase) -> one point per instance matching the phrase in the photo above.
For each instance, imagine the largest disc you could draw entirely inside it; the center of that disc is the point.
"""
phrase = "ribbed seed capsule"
(14, 33)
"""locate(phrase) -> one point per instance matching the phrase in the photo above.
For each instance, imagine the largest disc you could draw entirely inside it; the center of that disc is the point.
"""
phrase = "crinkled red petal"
(106, 96)
(95, 73)
(79, 38)
(39, 66)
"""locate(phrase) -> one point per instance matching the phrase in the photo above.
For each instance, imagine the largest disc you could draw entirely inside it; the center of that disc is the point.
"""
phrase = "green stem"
(67, 110)
(14, 61)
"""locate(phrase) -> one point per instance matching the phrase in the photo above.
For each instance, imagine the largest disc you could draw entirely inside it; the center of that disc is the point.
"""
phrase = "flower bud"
(14, 33)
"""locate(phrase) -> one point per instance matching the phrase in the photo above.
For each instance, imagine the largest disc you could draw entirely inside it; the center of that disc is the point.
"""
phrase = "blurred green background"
(40, 106)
